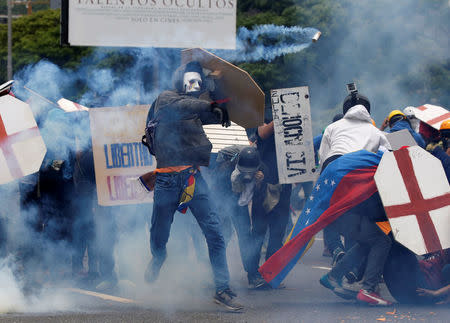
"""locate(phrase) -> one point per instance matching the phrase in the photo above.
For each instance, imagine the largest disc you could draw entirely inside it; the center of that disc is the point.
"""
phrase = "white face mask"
(192, 82)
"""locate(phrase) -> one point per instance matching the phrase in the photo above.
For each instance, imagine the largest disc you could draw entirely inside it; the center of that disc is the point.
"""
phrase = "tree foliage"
(384, 46)
(37, 37)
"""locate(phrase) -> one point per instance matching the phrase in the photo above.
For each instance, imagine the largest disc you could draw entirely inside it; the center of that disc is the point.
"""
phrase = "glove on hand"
(220, 110)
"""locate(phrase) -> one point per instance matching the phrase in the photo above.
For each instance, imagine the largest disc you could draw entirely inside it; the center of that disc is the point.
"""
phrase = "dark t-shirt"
(268, 156)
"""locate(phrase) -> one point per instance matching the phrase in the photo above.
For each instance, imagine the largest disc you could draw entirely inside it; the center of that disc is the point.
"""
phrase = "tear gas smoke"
(266, 42)
(182, 276)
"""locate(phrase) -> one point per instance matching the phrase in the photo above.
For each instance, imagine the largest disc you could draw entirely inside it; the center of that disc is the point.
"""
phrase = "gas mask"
(192, 82)
(247, 177)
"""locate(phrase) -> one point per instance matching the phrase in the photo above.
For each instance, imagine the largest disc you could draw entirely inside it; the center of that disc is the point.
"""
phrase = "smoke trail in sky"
(266, 42)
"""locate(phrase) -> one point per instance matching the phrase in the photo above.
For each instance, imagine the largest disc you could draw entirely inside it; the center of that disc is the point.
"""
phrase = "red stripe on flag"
(6, 142)
(354, 188)
(443, 117)
(418, 206)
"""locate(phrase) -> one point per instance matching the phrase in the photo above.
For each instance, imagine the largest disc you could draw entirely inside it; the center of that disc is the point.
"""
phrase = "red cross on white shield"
(416, 197)
(22, 149)
(432, 115)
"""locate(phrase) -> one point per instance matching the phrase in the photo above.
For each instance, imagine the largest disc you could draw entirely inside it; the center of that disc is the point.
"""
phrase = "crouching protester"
(175, 136)
(245, 179)
(418, 280)
(352, 133)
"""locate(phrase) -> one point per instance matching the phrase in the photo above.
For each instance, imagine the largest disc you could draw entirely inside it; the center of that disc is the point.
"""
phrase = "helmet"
(354, 99)
(248, 160)
(395, 116)
(409, 112)
(445, 125)
(444, 129)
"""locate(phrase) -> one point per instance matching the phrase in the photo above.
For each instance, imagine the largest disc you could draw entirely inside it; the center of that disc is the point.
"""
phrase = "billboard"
(149, 23)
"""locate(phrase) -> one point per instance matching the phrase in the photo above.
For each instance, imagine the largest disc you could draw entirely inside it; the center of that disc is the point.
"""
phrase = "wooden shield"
(432, 115)
(416, 197)
(22, 148)
(246, 106)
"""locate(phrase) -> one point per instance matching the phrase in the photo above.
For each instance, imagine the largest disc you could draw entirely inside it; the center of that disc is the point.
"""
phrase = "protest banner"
(119, 155)
(293, 135)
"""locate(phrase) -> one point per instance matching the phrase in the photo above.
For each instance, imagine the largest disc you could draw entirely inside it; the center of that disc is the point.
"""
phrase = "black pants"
(241, 221)
(275, 221)
(360, 225)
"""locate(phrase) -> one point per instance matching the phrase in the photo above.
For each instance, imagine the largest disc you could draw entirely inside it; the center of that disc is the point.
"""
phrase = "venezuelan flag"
(345, 183)
(188, 193)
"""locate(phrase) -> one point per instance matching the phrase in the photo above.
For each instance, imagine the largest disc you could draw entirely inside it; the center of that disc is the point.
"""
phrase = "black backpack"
(149, 133)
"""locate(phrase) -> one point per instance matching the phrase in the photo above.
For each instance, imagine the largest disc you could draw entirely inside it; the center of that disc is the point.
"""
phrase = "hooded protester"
(355, 131)
(397, 121)
(180, 145)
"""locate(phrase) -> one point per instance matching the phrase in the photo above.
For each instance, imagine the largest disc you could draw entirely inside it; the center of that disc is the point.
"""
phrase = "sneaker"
(351, 277)
(338, 254)
(348, 290)
(328, 282)
(336, 287)
(152, 271)
(257, 283)
(225, 298)
(371, 298)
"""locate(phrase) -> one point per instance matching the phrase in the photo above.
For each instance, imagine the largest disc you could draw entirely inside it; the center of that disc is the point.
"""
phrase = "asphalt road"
(186, 296)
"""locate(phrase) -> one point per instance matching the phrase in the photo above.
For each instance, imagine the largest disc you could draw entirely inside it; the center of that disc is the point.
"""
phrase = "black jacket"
(179, 136)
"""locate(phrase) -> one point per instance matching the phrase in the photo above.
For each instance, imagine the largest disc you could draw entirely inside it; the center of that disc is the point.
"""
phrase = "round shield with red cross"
(416, 197)
(22, 148)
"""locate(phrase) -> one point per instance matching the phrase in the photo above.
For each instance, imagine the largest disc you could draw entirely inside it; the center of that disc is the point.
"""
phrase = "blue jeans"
(168, 189)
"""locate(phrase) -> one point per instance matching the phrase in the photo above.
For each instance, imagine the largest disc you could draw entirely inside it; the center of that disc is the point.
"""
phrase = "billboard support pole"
(9, 70)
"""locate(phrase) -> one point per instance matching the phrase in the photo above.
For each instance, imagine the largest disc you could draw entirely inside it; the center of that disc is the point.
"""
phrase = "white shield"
(22, 148)
(221, 137)
(70, 106)
(416, 197)
(401, 138)
(432, 115)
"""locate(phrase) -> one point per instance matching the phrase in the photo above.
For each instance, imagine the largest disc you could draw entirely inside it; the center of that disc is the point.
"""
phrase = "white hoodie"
(352, 133)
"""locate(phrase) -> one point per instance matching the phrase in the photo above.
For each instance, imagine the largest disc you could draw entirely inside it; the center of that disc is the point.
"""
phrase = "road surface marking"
(102, 296)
